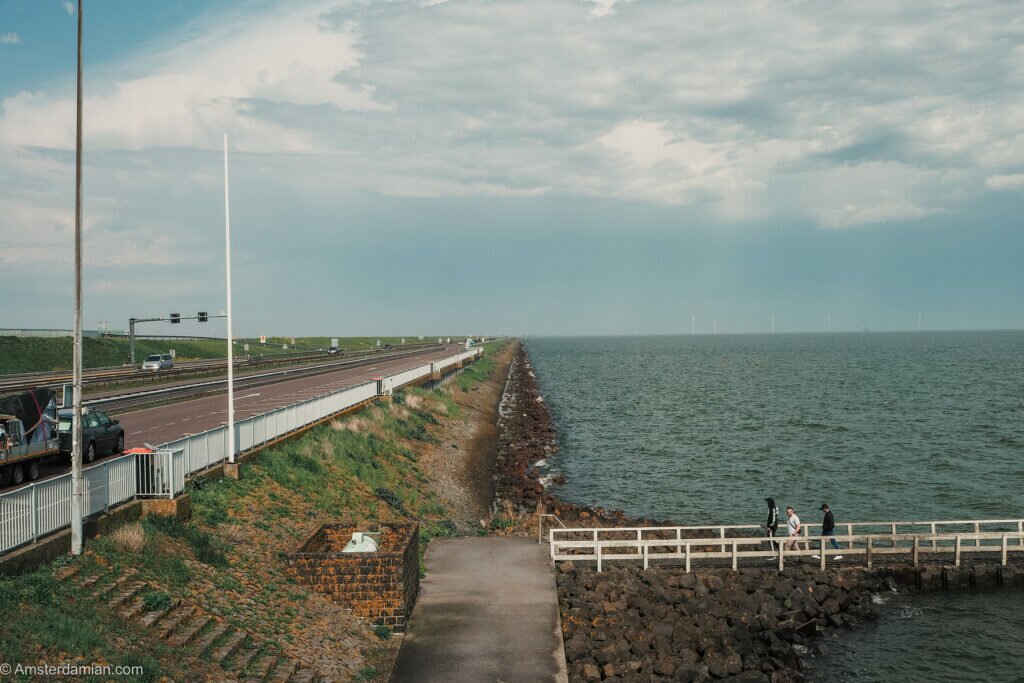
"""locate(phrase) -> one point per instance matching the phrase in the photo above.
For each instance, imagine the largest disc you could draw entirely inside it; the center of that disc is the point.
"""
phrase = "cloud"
(69, 6)
(9, 38)
(1005, 182)
(192, 93)
(850, 215)
(833, 114)
(603, 7)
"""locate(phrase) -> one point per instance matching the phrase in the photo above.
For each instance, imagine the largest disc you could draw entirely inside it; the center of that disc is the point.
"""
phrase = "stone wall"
(379, 586)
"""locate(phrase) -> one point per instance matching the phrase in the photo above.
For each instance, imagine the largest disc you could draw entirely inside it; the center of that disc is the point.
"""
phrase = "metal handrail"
(540, 525)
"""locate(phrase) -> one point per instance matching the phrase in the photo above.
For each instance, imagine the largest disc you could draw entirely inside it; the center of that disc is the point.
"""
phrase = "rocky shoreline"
(629, 624)
(663, 624)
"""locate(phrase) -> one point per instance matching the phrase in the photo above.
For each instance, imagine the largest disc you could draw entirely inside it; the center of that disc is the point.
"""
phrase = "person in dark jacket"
(828, 528)
(773, 522)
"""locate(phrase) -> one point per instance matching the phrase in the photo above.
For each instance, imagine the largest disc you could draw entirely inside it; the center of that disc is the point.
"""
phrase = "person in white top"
(794, 529)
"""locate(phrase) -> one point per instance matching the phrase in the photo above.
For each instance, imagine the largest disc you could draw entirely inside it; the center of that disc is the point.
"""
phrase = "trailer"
(28, 435)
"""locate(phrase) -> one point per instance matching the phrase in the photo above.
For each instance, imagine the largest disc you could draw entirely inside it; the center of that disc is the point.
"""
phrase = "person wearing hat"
(828, 528)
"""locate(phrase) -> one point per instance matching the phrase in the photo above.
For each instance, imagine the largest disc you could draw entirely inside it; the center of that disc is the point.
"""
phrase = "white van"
(158, 361)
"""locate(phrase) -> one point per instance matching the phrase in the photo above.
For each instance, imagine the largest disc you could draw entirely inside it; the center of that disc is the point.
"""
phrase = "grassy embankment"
(43, 354)
(230, 558)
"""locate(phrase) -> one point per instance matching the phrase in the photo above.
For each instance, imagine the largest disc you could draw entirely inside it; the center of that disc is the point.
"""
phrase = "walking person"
(828, 529)
(773, 523)
(793, 523)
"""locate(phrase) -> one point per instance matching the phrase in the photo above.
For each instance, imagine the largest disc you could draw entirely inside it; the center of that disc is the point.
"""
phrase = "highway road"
(166, 423)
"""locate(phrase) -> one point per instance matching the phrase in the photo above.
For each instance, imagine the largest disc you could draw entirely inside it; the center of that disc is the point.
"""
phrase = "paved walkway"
(487, 611)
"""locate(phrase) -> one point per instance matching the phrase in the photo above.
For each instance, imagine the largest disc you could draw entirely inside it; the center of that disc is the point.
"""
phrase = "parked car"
(99, 433)
(158, 361)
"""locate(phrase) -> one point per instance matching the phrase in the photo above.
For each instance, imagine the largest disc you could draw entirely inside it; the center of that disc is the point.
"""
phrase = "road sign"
(246, 348)
(263, 339)
(172, 353)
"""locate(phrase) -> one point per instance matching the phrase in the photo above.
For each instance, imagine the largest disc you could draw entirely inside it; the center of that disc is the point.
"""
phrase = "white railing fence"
(711, 543)
(43, 507)
(33, 511)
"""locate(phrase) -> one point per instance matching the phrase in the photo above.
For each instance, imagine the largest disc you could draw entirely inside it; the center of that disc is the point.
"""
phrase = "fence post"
(822, 553)
(849, 532)
(977, 530)
(956, 555)
(35, 514)
(915, 550)
(782, 550)
(1004, 550)
(687, 557)
(679, 535)
(734, 555)
(894, 533)
(106, 486)
(933, 534)
(646, 560)
(598, 558)
(721, 534)
(640, 537)
(870, 538)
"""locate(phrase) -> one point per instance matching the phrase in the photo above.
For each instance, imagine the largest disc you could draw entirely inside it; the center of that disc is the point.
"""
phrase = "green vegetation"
(48, 620)
(156, 600)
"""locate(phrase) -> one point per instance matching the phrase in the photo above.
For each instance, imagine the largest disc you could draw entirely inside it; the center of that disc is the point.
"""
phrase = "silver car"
(158, 361)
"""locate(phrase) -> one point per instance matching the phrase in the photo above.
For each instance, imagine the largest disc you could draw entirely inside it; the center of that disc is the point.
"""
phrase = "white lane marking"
(239, 398)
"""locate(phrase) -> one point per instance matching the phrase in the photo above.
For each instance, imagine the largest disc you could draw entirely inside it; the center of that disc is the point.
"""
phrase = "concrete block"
(180, 507)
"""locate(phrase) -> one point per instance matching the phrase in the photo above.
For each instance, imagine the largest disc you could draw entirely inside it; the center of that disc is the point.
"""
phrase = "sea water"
(881, 426)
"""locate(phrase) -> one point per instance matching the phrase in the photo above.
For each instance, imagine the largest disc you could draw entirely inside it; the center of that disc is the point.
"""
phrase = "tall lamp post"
(76, 409)
(231, 339)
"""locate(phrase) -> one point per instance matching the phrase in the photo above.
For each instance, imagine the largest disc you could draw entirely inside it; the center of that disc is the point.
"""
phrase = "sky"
(509, 167)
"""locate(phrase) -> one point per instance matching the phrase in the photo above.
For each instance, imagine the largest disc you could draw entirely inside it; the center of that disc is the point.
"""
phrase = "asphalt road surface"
(166, 423)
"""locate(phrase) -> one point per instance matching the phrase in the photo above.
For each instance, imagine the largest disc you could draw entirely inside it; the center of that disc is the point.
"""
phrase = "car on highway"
(158, 361)
(99, 433)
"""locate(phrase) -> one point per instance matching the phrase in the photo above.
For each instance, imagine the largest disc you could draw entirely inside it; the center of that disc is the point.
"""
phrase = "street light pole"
(76, 410)
(231, 340)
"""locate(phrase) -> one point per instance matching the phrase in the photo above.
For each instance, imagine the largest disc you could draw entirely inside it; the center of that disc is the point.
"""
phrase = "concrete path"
(487, 611)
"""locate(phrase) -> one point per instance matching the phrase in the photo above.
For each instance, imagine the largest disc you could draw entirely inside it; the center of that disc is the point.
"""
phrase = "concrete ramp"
(487, 611)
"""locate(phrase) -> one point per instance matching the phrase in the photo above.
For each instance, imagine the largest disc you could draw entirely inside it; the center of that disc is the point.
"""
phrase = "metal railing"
(43, 507)
(38, 509)
(160, 474)
(686, 544)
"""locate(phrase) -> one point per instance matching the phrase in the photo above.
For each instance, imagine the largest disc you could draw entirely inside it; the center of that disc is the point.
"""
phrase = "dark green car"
(99, 434)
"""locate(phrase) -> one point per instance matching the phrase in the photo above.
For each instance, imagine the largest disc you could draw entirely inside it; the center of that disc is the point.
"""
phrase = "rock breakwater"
(663, 624)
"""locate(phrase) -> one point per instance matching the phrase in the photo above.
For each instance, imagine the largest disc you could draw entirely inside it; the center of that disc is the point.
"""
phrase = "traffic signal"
(203, 317)
(175, 318)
